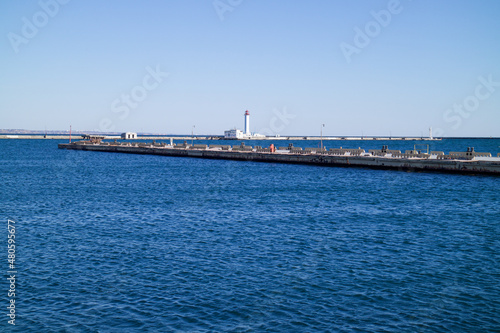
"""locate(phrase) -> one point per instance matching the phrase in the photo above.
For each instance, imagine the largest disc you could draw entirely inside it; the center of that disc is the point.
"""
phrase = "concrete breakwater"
(468, 162)
(215, 137)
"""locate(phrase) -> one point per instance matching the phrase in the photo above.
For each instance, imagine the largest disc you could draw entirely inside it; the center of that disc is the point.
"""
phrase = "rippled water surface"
(125, 243)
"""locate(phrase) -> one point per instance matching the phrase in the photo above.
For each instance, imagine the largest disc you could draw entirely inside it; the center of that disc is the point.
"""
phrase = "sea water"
(110, 242)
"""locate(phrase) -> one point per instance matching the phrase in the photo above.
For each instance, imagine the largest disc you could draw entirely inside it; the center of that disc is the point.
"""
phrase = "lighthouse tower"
(247, 123)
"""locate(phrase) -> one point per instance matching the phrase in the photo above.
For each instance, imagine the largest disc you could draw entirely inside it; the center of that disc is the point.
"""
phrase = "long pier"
(215, 137)
(469, 162)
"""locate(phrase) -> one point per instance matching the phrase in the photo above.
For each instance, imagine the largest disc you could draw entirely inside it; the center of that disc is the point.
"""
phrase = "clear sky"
(359, 67)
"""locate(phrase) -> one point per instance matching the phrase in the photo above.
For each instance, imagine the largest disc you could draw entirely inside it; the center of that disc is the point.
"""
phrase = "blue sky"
(359, 67)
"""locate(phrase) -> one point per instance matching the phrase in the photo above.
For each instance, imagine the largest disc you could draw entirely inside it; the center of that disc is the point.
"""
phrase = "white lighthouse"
(245, 134)
(247, 123)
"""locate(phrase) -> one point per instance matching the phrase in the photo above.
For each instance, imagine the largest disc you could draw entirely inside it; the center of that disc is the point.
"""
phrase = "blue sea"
(136, 243)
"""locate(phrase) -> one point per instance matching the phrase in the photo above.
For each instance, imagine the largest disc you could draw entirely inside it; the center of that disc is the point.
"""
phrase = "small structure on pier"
(129, 135)
(93, 138)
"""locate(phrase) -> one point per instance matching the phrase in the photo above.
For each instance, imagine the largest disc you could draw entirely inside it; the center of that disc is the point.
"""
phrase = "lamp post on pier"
(192, 134)
(322, 125)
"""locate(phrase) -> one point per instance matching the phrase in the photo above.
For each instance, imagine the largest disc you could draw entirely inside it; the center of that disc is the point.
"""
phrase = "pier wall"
(377, 162)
